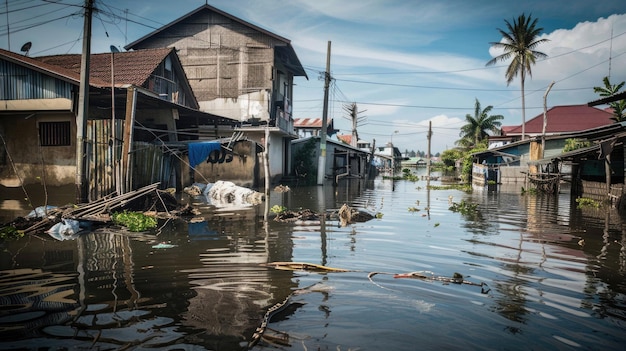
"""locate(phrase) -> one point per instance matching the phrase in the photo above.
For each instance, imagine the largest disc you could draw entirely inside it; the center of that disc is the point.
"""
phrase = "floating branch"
(303, 266)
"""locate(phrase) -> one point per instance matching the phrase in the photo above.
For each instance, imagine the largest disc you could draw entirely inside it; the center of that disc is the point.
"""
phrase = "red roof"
(346, 138)
(561, 119)
(309, 122)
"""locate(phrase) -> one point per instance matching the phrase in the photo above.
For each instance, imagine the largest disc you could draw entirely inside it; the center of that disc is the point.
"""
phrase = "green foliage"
(463, 187)
(436, 224)
(477, 126)
(305, 165)
(572, 144)
(134, 221)
(530, 191)
(587, 202)
(467, 209)
(277, 209)
(619, 107)
(449, 157)
(414, 209)
(10, 233)
(408, 175)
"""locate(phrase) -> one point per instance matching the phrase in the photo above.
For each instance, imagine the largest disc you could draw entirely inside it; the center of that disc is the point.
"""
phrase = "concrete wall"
(243, 169)
(28, 163)
(513, 174)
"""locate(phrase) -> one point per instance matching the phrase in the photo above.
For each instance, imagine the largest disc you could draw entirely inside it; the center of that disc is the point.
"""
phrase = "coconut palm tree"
(519, 44)
(477, 126)
(619, 107)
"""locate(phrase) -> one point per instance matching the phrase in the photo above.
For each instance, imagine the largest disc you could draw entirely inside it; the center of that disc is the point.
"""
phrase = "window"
(55, 133)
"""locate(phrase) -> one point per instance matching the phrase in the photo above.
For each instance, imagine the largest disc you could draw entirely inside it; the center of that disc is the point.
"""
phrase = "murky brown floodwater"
(555, 273)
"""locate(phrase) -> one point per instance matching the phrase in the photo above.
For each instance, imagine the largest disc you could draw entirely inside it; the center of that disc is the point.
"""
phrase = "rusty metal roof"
(131, 67)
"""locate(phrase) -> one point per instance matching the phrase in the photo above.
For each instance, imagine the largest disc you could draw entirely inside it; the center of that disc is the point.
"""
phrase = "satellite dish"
(26, 47)
(114, 48)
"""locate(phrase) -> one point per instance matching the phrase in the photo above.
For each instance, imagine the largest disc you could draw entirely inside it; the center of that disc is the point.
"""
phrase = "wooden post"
(131, 97)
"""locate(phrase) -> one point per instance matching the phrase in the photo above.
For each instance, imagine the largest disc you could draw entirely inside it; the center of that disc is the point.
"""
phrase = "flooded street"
(540, 274)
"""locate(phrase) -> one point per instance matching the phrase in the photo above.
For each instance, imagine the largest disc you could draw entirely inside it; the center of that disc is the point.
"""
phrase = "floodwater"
(543, 274)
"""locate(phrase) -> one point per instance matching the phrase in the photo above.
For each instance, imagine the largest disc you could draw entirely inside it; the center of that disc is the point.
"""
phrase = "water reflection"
(556, 274)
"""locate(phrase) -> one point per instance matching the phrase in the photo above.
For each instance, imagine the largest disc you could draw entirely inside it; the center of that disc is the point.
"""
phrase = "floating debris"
(224, 193)
(282, 188)
(302, 215)
(303, 266)
(164, 246)
(457, 278)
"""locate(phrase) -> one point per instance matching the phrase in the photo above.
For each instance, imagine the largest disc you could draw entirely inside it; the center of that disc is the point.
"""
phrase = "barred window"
(55, 133)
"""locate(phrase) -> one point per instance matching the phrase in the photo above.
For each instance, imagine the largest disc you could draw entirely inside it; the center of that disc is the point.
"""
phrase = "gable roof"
(562, 119)
(62, 73)
(285, 50)
(131, 67)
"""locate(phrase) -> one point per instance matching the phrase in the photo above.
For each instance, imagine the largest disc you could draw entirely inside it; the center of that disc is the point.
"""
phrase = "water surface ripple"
(544, 275)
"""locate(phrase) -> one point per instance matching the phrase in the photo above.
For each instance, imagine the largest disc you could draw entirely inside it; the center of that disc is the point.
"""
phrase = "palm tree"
(519, 45)
(619, 107)
(478, 125)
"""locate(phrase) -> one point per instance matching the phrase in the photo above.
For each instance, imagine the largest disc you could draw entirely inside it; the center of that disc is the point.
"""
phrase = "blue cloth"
(198, 152)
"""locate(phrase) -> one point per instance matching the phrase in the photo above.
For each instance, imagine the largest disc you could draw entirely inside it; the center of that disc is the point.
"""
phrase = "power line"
(479, 68)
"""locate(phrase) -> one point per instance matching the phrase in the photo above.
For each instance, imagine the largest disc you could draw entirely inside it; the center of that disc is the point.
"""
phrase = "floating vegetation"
(587, 202)
(530, 191)
(437, 224)
(467, 209)
(463, 187)
(407, 175)
(414, 209)
(134, 221)
(10, 233)
(277, 209)
(378, 215)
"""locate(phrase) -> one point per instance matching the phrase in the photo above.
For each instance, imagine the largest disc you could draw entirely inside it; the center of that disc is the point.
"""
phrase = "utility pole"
(354, 138)
(83, 107)
(430, 134)
(321, 164)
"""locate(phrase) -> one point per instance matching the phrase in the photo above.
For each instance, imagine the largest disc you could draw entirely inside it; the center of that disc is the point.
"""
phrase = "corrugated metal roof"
(561, 119)
(131, 67)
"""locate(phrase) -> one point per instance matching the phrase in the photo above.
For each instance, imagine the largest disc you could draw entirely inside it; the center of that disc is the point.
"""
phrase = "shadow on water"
(556, 274)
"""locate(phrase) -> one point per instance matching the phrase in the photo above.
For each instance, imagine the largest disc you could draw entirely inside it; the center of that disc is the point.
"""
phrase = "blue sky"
(404, 62)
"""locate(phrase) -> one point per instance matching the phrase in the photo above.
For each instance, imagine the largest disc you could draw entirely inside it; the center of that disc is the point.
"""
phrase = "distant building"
(559, 120)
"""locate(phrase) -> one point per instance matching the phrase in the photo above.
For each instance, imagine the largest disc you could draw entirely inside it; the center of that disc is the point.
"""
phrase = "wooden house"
(237, 70)
(138, 102)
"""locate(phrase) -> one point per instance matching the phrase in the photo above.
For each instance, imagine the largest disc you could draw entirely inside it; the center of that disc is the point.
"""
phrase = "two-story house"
(237, 70)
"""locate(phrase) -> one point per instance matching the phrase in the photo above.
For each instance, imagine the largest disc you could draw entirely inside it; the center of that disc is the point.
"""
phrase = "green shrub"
(134, 221)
